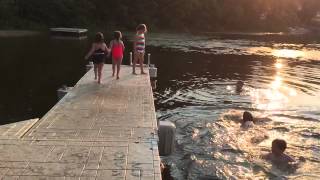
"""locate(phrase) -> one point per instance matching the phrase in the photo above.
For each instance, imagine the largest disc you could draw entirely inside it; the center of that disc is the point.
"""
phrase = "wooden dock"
(95, 132)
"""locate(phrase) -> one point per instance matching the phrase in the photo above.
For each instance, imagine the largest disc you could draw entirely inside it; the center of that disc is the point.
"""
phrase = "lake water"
(196, 90)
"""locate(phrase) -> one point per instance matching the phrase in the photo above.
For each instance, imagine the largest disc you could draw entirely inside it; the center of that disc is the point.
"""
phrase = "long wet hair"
(99, 38)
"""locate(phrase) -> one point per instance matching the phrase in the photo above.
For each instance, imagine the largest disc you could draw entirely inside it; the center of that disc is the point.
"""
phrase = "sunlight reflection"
(287, 53)
(278, 65)
(276, 84)
(270, 99)
(292, 92)
(277, 94)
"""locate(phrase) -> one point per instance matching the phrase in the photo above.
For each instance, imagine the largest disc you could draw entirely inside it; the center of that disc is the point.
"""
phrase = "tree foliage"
(193, 15)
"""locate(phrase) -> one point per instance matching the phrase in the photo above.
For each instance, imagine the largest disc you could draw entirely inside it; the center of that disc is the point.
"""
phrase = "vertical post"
(149, 55)
(130, 58)
(167, 136)
(89, 66)
(61, 92)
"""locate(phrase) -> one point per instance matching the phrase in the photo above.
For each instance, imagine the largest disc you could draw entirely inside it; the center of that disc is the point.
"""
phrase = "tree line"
(167, 15)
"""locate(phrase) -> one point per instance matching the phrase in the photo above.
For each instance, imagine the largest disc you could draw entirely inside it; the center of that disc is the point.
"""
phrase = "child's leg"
(141, 59)
(119, 61)
(113, 66)
(100, 67)
(135, 60)
(95, 70)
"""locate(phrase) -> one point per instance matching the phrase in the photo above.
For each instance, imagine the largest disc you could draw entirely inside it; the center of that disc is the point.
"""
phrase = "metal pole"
(89, 66)
(149, 55)
(130, 58)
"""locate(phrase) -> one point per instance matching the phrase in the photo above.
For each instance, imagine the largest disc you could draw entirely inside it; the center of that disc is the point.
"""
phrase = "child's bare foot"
(143, 73)
(134, 73)
(95, 78)
(99, 81)
(112, 74)
(118, 77)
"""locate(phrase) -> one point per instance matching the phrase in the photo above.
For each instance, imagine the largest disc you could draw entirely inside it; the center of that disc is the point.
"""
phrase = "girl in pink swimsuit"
(117, 49)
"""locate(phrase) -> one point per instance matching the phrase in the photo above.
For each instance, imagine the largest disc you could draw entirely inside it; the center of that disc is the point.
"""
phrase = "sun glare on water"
(287, 53)
(278, 65)
(276, 95)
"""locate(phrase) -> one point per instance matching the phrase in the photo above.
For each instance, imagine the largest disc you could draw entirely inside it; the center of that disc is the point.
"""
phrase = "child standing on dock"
(98, 53)
(117, 49)
(139, 47)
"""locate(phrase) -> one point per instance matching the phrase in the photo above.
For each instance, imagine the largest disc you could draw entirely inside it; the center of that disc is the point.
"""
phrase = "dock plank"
(94, 132)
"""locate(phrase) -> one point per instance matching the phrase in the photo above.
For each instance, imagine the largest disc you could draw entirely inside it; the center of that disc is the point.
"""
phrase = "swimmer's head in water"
(278, 146)
(239, 86)
(247, 116)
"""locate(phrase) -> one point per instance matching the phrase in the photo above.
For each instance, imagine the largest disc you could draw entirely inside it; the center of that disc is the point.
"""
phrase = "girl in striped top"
(139, 47)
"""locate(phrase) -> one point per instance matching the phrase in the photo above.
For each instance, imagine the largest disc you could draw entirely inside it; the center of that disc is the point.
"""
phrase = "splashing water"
(281, 88)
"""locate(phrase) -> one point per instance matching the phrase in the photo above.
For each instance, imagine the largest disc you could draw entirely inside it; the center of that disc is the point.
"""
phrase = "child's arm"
(111, 44)
(134, 43)
(267, 156)
(90, 52)
(110, 48)
(289, 158)
(123, 47)
(107, 49)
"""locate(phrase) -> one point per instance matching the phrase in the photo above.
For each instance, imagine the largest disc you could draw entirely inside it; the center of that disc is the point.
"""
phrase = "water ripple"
(279, 83)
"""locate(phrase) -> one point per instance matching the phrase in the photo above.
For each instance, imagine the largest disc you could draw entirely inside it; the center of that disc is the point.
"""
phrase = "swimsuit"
(117, 51)
(98, 56)
(248, 124)
(140, 43)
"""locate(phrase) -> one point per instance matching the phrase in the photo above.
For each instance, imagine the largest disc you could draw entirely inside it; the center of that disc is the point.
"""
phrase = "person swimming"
(277, 155)
(239, 86)
(247, 120)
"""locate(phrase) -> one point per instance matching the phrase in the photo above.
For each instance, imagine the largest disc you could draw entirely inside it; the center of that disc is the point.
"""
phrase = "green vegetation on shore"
(167, 15)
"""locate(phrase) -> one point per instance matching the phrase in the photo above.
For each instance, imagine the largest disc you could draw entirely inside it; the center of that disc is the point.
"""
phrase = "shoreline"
(22, 33)
(19, 33)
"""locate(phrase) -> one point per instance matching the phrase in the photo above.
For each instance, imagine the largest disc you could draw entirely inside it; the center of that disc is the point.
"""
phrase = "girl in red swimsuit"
(117, 49)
